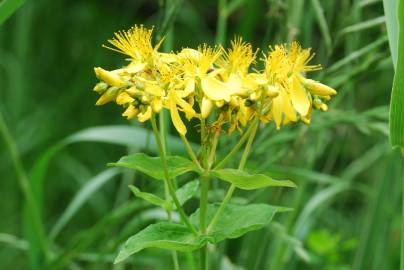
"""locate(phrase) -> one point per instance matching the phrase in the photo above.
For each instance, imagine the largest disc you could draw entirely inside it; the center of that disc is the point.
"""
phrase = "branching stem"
(170, 185)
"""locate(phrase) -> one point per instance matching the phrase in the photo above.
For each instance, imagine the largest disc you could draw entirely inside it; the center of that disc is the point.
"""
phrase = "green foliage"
(187, 191)
(8, 7)
(391, 12)
(237, 220)
(247, 181)
(149, 197)
(163, 235)
(397, 96)
(153, 166)
(347, 176)
(81, 197)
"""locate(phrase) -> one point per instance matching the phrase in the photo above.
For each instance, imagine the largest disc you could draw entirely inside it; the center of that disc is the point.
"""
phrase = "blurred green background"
(346, 207)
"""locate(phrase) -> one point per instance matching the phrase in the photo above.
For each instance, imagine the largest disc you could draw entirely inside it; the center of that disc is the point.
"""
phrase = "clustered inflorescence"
(212, 82)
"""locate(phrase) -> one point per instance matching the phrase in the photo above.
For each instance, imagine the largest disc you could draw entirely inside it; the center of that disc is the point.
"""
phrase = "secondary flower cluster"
(211, 82)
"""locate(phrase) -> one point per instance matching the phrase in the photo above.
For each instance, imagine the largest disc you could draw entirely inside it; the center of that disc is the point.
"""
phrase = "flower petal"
(215, 89)
(175, 116)
(299, 97)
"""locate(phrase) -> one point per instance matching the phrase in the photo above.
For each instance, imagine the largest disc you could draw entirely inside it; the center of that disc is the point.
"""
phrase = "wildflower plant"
(220, 90)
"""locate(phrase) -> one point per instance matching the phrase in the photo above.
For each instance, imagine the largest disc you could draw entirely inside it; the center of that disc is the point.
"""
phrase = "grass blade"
(390, 11)
(363, 25)
(322, 23)
(397, 96)
(36, 230)
(8, 7)
(81, 197)
(357, 54)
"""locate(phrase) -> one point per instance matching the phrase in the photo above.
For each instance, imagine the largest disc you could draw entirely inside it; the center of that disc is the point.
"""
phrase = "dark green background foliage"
(345, 207)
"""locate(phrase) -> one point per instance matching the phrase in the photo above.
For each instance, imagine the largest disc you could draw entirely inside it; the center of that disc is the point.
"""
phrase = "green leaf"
(8, 7)
(363, 25)
(163, 235)
(123, 135)
(237, 220)
(357, 54)
(244, 180)
(187, 191)
(397, 96)
(81, 197)
(151, 198)
(153, 166)
(390, 11)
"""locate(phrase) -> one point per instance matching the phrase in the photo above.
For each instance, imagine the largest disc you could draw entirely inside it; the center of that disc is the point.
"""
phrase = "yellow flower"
(135, 42)
(238, 58)
(219, 80)
(285, 68)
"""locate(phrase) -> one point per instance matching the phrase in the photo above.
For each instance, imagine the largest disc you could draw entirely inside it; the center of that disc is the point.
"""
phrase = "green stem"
(221, 22)
(170, 185)
(223, 205)
(190, 261)
(175, 260)
(402, 215)
(163, 136)
(232, 188)
(163, 129)
(212, 153)
(203, 202)
(233, 151)
(202, 219)
(248, 146)
(191, 152)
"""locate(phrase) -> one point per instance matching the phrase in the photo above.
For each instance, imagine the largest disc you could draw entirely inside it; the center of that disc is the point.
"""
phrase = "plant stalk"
(191, 152)
(202, 219)
(163, 136)
(221, 22)
(170, 185)
(232, 187)
(402, 214)
(234, 150)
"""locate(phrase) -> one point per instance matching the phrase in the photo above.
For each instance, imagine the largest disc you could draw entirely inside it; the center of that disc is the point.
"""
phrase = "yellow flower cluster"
(211, 82)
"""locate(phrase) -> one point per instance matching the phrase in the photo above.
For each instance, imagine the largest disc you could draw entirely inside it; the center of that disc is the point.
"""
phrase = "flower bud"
(130, 112)
(145, 100)
(133, 91)
(318, 88)
(253, 96)
(100, 87)
(144, 116)
(320, 105)
(109, 77)
(234, 101)
(157, 105)
(124, 98)
(206, 107)
(219, 103)
(272, 91)
(108, 96)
